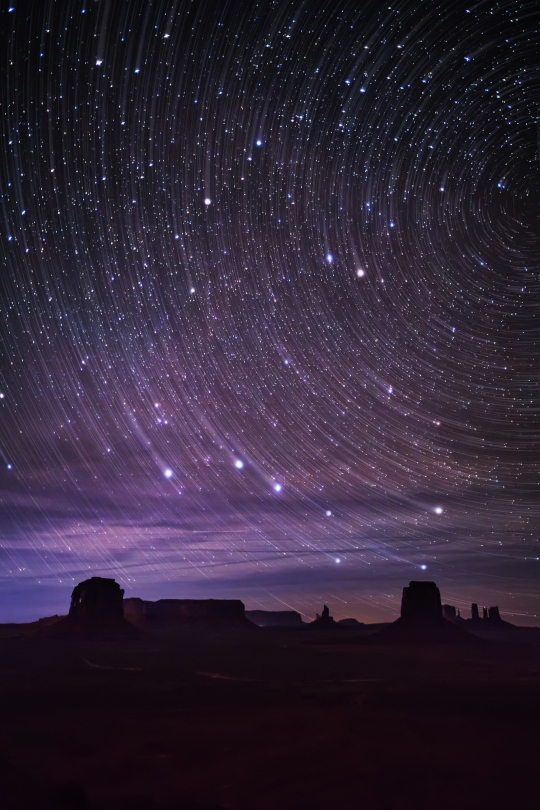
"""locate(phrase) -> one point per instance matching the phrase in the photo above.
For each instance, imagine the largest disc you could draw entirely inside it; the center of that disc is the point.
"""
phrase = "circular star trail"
(270, 289)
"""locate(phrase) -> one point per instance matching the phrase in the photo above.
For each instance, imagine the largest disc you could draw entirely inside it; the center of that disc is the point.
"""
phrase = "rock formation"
(352, 623)
(323, 620)
(97, 599)
(421, 620)
(171, 613)
(491, 618)
(48, 621)
(449, 612)
(96, 611)
(491, 625)
(452, 614)
(275, 618)
(421, 599)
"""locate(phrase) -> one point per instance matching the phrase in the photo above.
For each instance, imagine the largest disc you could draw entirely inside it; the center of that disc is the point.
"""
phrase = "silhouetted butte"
(96, 609)
(421, 620)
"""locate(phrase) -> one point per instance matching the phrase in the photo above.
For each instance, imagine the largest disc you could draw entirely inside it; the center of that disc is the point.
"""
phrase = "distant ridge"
(275, 618)
(171, 614)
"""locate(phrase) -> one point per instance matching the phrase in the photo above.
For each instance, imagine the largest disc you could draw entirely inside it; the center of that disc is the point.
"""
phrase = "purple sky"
(269, 283)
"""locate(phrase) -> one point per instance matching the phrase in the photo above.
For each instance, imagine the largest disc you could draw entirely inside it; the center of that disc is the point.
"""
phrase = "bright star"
(438, 510)
(278, 487)
(328, 513)
(329, 258)
(423, 567)
(238, 464)
(360, 273)
(168, 473)
(207, 201)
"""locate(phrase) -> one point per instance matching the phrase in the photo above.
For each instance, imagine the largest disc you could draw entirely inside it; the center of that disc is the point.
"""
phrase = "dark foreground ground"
(266, 719)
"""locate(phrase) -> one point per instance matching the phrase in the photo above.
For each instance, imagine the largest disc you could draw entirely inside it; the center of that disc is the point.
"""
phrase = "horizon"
(464, 610)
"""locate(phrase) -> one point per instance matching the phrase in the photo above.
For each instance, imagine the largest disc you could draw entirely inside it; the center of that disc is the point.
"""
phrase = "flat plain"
(263, 719)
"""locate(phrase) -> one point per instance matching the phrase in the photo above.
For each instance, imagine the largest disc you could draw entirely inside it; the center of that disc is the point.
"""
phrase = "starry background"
(270, 302)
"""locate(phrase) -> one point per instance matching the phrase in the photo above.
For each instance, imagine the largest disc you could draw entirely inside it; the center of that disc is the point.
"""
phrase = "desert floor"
(267, 719)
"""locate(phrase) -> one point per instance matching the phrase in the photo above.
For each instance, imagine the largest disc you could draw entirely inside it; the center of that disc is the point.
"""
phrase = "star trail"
(270, 289)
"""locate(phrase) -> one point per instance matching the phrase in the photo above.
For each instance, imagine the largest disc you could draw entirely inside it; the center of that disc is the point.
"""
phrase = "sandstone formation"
(96, 611)
(490, 619)
(352, 623)
(170, 613)
(275, 618)
(48, 621)
(421, 599)
(452, 614)
(421, 620)
(96, 599)
(323, 620)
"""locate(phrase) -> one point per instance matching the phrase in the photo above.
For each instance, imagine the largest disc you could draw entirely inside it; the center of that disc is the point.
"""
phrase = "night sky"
(270, 301)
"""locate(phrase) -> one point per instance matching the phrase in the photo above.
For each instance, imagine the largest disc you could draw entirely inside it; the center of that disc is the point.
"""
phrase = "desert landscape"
(205, 713)
(269, 362)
